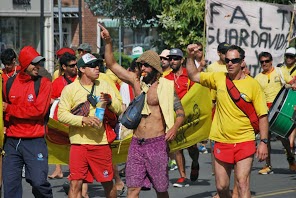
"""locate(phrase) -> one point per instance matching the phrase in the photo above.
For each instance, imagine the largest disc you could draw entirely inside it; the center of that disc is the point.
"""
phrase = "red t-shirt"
(6, 75)
(58, 86)
(182, 82)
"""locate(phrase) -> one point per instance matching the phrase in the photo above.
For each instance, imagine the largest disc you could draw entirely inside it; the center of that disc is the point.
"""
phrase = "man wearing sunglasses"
(148, 155)
(231, 128)
(290, 61)
(25, 143)
(182, 85)
(90, 152)
(165, 63)
(271, 80)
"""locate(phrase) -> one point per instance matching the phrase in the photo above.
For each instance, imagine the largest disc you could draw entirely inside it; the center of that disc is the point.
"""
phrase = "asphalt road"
(281, 184)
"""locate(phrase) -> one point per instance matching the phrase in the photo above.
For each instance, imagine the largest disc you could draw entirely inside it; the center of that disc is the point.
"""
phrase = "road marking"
(267, 194)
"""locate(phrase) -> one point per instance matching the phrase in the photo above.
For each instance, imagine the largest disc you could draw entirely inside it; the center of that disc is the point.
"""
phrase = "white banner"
(254, 26)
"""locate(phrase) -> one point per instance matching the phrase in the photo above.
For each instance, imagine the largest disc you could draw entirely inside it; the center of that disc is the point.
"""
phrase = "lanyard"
(92, 88)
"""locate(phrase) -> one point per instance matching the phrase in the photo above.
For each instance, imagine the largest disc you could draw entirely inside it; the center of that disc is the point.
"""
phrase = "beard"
(151, 77)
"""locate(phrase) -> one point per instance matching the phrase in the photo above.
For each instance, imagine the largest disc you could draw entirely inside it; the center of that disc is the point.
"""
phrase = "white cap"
(137, 52)
(291, 51)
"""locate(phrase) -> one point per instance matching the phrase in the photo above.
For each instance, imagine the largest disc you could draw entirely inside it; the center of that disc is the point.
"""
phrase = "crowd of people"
(82, 85)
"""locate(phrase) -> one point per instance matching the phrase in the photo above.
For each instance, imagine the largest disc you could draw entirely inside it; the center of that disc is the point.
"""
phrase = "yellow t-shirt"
(114, 78)
(165, 73)
(230, 124)
(289, 70)
(216, 67)
(271, 83)
(73, 95)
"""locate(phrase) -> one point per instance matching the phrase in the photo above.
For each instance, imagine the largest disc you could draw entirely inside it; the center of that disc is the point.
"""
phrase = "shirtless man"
(157, 125)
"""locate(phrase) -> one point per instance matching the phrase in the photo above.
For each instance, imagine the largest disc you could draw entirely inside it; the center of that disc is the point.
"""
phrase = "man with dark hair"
(68, 66)
(182, 84)
(148, 154)
(272, 79)
(25, 143)
(8, 59)
(90, 151)
(231, 128)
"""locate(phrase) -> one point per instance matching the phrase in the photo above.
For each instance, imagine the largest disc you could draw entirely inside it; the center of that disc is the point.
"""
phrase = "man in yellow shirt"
(290, 60)
(271, 80)
(90, 152)
(231, 128)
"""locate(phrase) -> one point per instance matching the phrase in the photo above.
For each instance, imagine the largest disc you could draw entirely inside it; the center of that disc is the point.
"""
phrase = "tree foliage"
(134, 13)
(180, 22)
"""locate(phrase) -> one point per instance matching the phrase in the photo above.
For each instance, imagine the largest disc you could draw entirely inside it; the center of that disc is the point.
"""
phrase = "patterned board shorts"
(148, 160)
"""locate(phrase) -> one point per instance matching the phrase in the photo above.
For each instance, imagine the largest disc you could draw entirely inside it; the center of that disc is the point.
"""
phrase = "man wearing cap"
(165, 63)
(68, 64)
(90, 152)
(148, 154)
(58, 69)
(272, 79)
(25, 143)
(182, 85)
(290, 60)
(83, 49)
(137, 52)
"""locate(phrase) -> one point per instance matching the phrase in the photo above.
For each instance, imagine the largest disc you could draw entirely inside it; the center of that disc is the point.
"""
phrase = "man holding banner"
(231, 129)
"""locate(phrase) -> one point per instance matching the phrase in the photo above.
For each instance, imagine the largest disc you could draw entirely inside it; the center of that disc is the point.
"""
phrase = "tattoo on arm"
(177, 103)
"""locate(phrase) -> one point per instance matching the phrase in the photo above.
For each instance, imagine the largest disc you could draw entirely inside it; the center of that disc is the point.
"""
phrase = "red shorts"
(232, 153)
(91, 161)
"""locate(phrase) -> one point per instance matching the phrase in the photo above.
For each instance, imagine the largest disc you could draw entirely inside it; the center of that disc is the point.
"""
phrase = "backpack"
(37, 82)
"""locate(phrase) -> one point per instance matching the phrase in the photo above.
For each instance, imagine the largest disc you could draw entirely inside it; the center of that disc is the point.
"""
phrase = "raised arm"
(118, 70)
(193, 72)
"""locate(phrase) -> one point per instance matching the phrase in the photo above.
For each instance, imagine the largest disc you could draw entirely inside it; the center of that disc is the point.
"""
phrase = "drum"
(281, 115)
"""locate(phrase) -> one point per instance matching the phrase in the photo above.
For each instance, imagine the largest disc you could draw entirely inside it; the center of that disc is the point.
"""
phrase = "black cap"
(223, 47)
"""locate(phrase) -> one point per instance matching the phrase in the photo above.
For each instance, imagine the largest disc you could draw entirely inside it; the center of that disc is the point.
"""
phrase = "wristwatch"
(265, 141)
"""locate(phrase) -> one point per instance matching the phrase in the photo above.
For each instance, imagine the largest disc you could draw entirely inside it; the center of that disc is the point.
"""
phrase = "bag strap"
(279, 71)
(67, 79)
(294, 68)
(246, 107)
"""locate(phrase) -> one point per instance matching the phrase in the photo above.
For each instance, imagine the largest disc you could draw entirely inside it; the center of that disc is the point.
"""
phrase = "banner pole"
(291, 25)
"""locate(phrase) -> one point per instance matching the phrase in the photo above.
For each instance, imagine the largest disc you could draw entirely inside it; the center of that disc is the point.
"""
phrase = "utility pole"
(61, 39)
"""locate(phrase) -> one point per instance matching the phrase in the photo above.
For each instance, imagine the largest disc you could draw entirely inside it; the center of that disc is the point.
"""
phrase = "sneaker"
(194, 171)
(266, 170)
(202, 149)
(173, 165)
(292, 166)
(181, 182)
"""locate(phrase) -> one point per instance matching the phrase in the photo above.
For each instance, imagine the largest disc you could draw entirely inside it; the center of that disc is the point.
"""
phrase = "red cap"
(63, 50)
(28, 55)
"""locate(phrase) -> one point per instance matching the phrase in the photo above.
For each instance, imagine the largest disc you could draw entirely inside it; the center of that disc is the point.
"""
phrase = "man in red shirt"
(25, 143)
(182, 85)
(68, 66)
(8, 59)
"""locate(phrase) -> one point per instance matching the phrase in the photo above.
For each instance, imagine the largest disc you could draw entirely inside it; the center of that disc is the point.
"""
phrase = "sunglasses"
(163, 58)
(234, 61)
(145, 64)
(92, 65)
(290, 56)
(175, 58)
(200, 49)
(72, 65)
(265, 61)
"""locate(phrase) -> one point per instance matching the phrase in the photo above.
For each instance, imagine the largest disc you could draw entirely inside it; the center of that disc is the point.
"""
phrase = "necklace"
(176, 78)
(12, 74)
